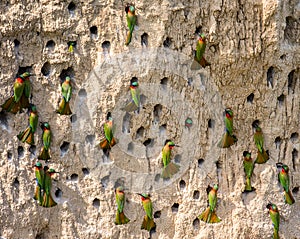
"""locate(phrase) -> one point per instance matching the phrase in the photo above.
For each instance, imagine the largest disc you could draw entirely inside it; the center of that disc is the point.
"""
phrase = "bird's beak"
(139, 194)
(176, 145)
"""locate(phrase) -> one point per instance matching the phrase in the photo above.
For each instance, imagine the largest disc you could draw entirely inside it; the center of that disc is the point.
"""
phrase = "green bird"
(248, 168)
(131, 22)
(228, 137)
(66, 89)
(48, 200)
(44, 155)
(120, 199)
(19, 99)
(283, 178)
(148, 222)
(108, 141)
(209, 215)
(199, 58)
(28, 134)
(39, 189)
(71, 46)
(134, 104)
(169, 168)
(262, 155)
(274, 214)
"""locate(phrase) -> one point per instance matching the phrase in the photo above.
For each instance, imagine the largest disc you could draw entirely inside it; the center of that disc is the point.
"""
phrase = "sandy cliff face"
(254, 50)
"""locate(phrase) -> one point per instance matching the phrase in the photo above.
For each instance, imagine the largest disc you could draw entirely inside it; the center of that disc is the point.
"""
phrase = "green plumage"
(108, 141)
(39, 175)
(120, 199)
(248, 168)
(262, 154)
(283, 178)
(209, 215)
(274, 215)
(48, 200)
(199, 59)
(131, 22)
(228, 137)
(134, 104)
(44, 155)
(66, 89)
(148, 222)
(169, 168)
(28, 134)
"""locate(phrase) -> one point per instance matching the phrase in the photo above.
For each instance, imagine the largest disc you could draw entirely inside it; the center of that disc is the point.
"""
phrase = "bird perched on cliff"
(71, 46)
(283, 178)
(169, 168)
(131, 22)
(209, 215)
(108, 140)
(199, 58)
(20, 98)
(134, 104)
(228, 137)
(66, 89)
(248, 168)
(274, 214)
(44, 155)
(47, 199)
(28, 134)
(262, 155)
(120, 199)
(40, 187)
(148, 222)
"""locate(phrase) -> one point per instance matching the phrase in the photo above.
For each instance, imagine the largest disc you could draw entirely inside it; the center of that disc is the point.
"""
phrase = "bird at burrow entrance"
(274, 214)
(228, 137)
(148, 222)
(120, 199)
(199, 59)
(28, 134)
(134, 104)
(209, 215)
(47, 197)
(66, 89)
(71, 46)
(20, 98)
(169, 168)
(46, 137)
(108, 140)
(248, 168)
(262, 154)
(284, 180)
(131, 19)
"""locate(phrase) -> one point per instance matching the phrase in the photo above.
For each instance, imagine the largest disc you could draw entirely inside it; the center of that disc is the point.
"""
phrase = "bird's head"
(228, 113)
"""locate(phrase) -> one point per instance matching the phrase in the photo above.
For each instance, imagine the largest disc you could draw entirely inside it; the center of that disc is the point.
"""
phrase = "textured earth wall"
(254, 50)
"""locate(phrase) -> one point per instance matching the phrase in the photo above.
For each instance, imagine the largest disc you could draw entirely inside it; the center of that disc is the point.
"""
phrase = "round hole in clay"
(250, 98)
(167, 42)
(74, 177)
(144, 39)
(20, 152)
(58, 193)
(196, 224)
(196, 194)
(200, 162)
(85, 171)
(50, 45)
(96, 203)
(46, 69)
(182, 184)
(295, 190)
(175, 207)
(157, 214)
(16, 43)
(294, 137)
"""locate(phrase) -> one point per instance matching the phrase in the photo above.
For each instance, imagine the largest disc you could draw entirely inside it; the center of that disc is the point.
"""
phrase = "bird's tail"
(24, 101)
(262, 157)
(227, 140)
(44, 155)
(121, 218)
(27, 136)
(48, 201)
(128, 38)
(248, 187)
(64, 108)
(275, 234)
(113, 142)
(104, 144)
(11, 106)
(38, 195)
(209, 216)
(289, 199)
(131, 106)
(170, 170)
(148, 224)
